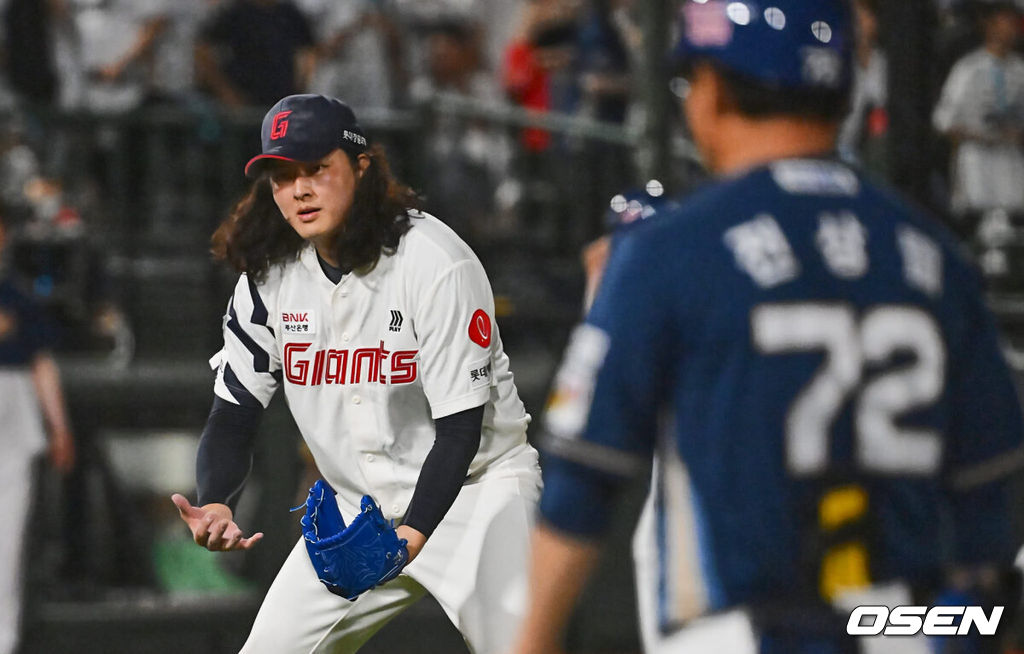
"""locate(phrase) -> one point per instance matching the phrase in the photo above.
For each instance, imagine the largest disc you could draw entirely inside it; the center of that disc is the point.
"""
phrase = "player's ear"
(718, 92)
(362, 163)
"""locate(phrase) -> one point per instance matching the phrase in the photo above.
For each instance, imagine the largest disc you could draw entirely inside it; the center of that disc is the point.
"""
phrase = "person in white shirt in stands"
(359, 52)
(982, 111)
(862, 134)
(105, 52)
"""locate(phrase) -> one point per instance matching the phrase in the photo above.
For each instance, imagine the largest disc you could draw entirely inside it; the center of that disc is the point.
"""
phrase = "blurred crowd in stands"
(570, 56)
(88, 86)
(99, 61)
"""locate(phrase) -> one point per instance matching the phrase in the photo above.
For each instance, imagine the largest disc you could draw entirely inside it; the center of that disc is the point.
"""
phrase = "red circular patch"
(480, 328)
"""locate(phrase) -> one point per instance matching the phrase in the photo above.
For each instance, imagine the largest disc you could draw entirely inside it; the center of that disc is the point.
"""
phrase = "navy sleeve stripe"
(238, 389)
(988, 471)
(595, 456)
(260, 358)
(260, 315)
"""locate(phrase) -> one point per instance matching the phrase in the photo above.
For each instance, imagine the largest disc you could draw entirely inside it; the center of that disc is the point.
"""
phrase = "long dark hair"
(255, 236)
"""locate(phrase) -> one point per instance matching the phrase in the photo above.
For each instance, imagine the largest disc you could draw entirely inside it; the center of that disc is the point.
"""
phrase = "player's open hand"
(213, 527)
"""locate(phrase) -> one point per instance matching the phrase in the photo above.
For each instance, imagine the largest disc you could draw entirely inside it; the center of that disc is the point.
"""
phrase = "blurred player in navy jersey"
(33, 420)
(805, 358)
(625, 211)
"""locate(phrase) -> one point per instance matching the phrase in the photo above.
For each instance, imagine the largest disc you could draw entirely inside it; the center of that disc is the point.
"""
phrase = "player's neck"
(997, 49)
(326, 252)
(743, 144)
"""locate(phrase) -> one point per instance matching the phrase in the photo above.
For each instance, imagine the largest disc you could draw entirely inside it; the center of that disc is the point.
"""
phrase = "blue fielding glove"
(350, 560)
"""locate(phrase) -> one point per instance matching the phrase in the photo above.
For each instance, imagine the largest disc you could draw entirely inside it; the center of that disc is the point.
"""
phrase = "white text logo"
(910, 620)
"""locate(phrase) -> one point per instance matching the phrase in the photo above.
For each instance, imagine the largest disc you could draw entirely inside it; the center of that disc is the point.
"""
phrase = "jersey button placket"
(341, 288)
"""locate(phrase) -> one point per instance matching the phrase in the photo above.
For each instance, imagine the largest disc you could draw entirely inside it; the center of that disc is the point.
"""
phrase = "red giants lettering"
(403, 368)
(296, 373)
(372, 358)
(337, 362)
(333, 366)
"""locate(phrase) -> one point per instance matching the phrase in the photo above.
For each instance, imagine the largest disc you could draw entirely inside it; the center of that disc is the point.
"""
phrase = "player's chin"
(307, 230)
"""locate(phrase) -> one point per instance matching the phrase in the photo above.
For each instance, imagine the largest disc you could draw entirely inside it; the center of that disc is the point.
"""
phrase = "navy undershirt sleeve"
(225, 451)
(456, 442)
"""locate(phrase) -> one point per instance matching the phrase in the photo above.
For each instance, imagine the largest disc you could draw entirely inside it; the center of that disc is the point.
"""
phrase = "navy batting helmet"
(636, 205)
(785, 44)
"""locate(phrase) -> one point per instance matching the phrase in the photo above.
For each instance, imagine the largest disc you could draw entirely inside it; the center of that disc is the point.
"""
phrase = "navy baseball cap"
(787, 44)
(307, 127)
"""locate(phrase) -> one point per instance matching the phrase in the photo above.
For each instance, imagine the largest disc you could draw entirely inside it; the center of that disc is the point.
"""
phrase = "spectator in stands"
(105, 52)
(958, 33)
(64, 267)
(862, 135)
(539, 74)
(54, 257)
(495, 24)
(538, 62)
(171, 78)
(18, 165)
(604, 60)
(495, 21)
(254, 52)
(28, 50)
(982, 111)
(469, 158)
(40, 52)
(603, 64)
(359, 52)
(30, 396)
(111, 44)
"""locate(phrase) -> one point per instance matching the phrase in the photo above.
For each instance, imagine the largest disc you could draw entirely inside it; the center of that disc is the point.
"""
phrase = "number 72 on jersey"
(850, 342)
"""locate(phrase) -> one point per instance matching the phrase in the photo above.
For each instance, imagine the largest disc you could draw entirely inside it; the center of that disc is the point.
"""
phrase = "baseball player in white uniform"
(377, 320)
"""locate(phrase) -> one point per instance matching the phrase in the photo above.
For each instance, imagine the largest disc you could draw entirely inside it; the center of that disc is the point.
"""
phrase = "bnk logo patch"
(298, 322)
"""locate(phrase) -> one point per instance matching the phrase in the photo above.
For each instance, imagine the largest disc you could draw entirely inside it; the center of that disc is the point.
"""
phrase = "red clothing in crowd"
(528, 85)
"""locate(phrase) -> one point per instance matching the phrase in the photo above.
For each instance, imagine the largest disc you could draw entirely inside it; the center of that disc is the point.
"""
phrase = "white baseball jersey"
(368, 364)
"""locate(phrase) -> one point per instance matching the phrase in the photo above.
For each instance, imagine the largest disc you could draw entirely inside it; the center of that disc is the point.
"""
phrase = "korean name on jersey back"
(372, 365)
(762, 250)
(842, 240)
